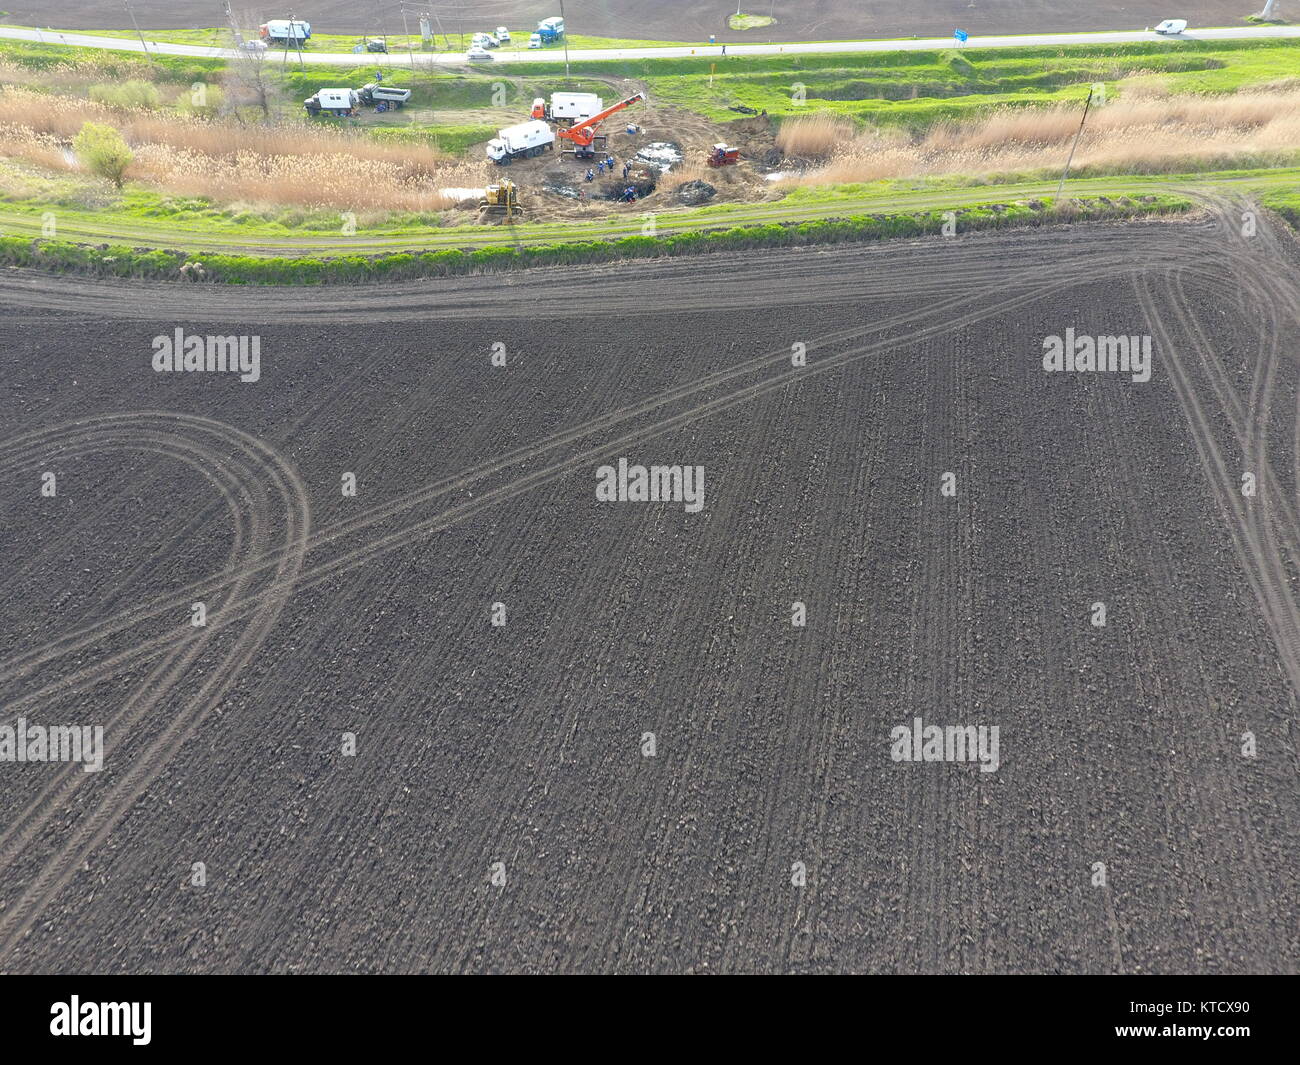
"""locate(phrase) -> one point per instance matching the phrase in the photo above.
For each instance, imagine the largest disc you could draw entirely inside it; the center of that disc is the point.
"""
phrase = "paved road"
(85, 40)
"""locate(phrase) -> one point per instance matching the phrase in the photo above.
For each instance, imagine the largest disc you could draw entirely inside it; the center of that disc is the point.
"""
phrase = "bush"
(127, 94)
(103, 152)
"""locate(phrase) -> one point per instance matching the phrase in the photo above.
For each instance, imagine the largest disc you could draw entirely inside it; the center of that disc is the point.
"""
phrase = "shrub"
(127, 95)
(103, 152)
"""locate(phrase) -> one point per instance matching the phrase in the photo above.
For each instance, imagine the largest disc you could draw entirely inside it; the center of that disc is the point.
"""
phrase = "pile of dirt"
(694, 193)
(642, 179)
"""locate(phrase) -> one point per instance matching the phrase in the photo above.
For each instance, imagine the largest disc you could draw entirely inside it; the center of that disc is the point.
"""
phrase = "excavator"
(500, 202)
(583, 136)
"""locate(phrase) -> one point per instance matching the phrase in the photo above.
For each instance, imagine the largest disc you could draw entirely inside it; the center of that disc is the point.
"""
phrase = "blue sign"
(961, 35)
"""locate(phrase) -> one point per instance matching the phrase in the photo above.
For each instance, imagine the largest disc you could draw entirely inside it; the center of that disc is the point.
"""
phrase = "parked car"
(477, 54)
(1171, 27)
(503, 34)
(535, 41)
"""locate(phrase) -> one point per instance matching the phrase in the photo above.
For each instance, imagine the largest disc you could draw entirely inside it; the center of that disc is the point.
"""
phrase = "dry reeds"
(813, 136)
(296, 165)
(1143, 132)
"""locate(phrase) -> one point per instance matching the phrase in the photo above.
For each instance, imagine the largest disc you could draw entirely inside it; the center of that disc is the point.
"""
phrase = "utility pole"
(406, 29)
(1267, 14)
(130, 11)
(566, 42)
(1066, 174)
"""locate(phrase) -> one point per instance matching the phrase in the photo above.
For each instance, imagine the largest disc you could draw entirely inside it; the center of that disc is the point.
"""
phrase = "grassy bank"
(913, 89)
(123, 261)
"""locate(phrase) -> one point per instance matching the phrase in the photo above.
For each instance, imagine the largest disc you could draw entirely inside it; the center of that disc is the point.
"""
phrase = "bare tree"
(250, 81)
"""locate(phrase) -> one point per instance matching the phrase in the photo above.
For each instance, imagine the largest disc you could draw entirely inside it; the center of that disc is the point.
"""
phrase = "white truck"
(338, 102)
(523, 141)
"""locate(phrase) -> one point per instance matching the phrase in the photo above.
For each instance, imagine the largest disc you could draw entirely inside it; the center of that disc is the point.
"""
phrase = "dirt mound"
(694, 193)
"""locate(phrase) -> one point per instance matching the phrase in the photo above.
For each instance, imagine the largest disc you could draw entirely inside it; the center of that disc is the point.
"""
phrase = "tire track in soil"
(518, 457)
(1081, 269)
(967, 545)
(374, 548)
(120, 793)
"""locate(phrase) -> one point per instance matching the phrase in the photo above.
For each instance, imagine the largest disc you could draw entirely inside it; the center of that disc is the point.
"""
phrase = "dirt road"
(501, 812)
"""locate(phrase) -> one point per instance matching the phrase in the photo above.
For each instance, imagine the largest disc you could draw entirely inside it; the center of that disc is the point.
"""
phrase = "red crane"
(583, 134)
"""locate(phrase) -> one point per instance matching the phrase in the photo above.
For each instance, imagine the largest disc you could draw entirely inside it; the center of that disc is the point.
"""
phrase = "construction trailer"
(523, 141)
(568, 107)
(285, 31)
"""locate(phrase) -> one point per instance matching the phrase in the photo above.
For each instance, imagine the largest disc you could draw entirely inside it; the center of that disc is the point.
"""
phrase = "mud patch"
(661, 155)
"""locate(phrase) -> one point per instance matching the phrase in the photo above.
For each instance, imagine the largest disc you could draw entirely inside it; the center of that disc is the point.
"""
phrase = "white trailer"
(523, 141)
(575, 105)
(283, 30)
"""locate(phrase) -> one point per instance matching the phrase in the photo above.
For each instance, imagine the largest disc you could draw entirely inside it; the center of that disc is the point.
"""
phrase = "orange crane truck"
(583, 135)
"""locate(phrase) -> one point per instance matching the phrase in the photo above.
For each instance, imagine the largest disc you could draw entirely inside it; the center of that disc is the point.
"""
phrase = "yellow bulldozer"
(500, 202)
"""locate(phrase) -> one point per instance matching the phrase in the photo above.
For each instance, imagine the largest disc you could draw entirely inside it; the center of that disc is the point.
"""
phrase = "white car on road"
(1171, 27)
(477, 54)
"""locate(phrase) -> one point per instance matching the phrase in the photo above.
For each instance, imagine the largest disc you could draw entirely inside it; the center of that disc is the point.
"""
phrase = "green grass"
(749, 22)
(917, 89)
(1285, 201)
(143, 218)
(234, 268)
(913, 88)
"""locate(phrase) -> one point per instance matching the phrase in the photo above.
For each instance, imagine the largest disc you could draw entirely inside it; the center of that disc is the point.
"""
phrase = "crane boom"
(584, 132)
